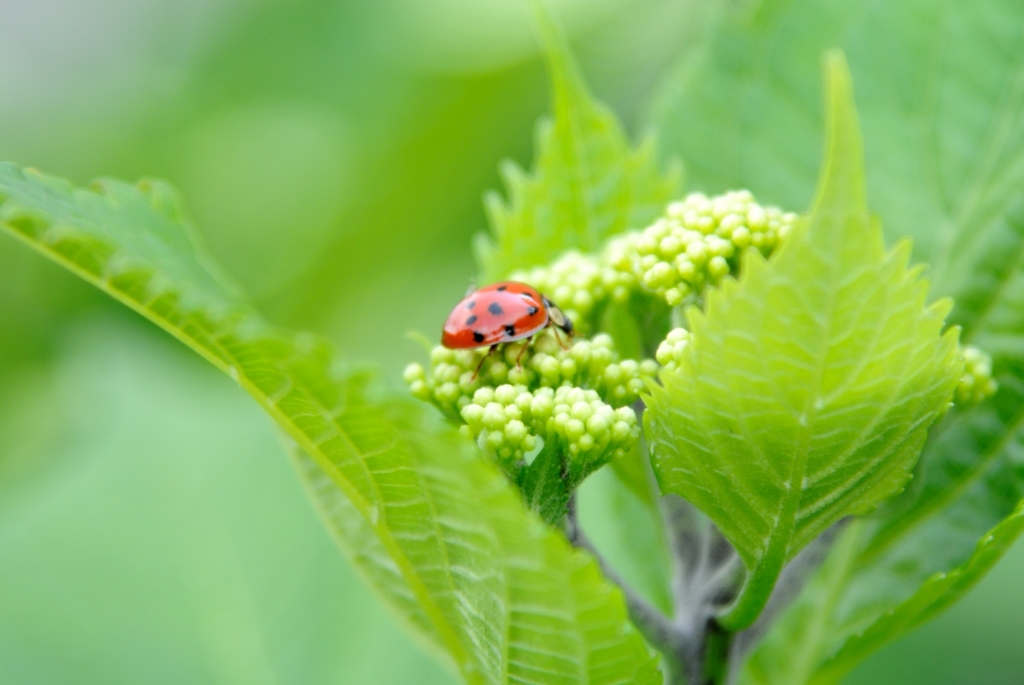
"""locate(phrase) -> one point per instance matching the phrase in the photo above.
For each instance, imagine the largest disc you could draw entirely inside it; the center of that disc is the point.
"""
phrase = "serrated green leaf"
(936, 594)
(943, 116)
(588, 182)
(433, 527)
(814, 615)
(809, 387)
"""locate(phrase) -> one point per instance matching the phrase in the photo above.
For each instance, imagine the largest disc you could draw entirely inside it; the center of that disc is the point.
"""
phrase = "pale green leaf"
(795, 651)
(942, 108)
(438, 531)
(809, 387)
(587, 183)
(935, 595)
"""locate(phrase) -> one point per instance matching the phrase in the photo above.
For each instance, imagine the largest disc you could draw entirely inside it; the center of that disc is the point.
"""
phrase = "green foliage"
(935, 595)
(436, 530)
(152, 532)
(808, 387)
(802, 394)
(587, 185)
(944, 132)
(796, 651)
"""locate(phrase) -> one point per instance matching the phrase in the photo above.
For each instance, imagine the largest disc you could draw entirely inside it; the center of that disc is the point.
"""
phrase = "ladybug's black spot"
(471, 304)
(533, 310)
(510, 330)
(495, 309)
(471, 320)
(502, 288)
(478, 336)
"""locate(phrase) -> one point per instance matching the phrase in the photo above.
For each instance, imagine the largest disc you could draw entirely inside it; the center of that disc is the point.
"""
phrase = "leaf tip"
(843, 172)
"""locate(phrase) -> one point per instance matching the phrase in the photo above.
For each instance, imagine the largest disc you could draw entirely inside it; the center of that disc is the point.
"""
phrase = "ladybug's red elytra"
(501, 313)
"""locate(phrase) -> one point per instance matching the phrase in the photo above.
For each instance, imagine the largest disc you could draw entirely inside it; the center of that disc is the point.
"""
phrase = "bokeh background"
(334, 154)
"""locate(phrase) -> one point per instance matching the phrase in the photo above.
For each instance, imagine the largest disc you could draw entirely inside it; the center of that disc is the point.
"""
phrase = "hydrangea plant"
(765, 378)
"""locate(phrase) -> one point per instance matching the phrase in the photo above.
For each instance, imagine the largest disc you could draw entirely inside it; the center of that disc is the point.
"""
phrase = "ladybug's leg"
(559, 338)
(480, 365)
(523, 351)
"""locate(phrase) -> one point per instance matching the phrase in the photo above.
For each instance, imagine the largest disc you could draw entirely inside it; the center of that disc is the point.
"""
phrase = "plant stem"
(658, 629)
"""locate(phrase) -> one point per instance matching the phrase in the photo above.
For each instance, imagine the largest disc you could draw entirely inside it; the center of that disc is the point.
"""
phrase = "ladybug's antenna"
(472, 287)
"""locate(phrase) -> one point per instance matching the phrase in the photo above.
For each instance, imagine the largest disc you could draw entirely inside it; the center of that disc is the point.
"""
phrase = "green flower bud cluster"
(578, 396)
(592, 364)
(578, 283)
(698, 242)
(695, 243)
(670, 351)
(507, 421)
(977, 384)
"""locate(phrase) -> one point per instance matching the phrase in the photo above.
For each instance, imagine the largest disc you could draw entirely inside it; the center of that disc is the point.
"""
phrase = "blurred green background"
(334, 155)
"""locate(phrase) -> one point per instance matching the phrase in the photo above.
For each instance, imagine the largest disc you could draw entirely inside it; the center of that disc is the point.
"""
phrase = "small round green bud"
(621, 431)
(697, 252)
(505, 394)
(483, 396)
(718, 267)
(741, 237)
(664, 354)
(670, 246)
(420, 390)
(686, 269)
(524, 400)
(515, 431)
(518, 376)
(550, 369)
(582, 411)
(581, 352)
(495, 440)
(541, 406)
(574, 429)
(440, 355)
(473, 414)
(976, 383)
(730, 222)
(448, 392)
(612, 373)
(646, 244)
(494, 416)
(414, 372)
(597, 424)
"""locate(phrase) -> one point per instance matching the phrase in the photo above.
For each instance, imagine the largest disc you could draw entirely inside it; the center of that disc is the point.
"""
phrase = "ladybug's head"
(559, 319)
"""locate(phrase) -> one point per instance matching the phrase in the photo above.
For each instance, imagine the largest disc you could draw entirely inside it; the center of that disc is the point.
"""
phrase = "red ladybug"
(500, 313)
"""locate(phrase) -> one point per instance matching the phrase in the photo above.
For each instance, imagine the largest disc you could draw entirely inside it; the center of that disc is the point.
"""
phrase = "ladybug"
(502, 313)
